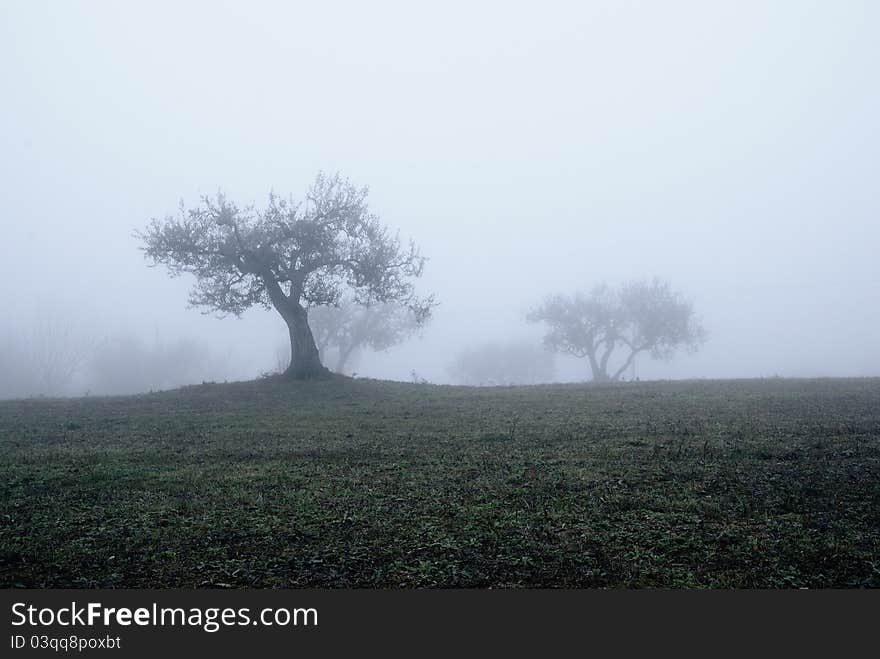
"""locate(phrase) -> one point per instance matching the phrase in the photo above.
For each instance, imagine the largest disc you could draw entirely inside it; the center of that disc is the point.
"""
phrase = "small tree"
(640, 316)
(349, 327)
(57, 352)
(47, 358)
(289, 256)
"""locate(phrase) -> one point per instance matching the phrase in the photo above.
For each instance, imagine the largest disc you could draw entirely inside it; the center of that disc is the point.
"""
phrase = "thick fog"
(530, 149)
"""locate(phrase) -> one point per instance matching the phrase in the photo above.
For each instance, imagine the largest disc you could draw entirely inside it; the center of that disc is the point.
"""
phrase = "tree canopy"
(639, 316)
(289, 256)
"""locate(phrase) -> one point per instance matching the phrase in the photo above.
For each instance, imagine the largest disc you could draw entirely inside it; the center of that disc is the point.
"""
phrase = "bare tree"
(346, 329)
(57, 352)
(640, 316)
(289, 256)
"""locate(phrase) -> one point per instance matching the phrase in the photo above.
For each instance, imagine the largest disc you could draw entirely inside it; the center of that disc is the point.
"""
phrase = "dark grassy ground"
(769, 483)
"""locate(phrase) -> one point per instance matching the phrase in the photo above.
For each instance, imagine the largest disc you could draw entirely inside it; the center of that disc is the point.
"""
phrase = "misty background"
(528, 148)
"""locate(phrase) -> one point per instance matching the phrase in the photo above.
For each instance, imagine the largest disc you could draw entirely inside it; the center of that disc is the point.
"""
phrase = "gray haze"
(535, 148)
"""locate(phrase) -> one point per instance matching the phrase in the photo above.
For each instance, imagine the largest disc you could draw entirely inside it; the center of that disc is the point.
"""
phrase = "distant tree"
(125, 364)
(345, 329)
(45, 358)
(503, 364)
(289, 256)
(57, 352)
(640, 316)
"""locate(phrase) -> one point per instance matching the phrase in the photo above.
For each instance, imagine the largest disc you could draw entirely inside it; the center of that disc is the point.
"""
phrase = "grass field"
(761, 483)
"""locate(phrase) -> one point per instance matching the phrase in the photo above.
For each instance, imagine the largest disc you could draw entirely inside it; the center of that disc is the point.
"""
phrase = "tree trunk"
(626, 364)
(344, 356)
(598, 370)
(305, 362)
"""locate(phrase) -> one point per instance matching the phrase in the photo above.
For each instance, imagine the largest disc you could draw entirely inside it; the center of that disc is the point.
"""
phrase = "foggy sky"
(529, 149)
